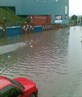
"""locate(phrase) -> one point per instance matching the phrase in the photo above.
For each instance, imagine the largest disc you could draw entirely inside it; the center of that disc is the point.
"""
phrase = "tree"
(74, 19)
(28, 20)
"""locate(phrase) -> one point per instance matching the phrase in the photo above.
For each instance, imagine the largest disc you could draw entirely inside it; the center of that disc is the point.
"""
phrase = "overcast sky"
(75, 7)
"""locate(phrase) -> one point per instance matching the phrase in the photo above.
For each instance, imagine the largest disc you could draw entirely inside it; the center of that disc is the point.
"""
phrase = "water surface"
(52, 59)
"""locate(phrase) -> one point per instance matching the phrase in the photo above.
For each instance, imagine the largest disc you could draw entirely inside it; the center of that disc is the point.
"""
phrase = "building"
(58, 10)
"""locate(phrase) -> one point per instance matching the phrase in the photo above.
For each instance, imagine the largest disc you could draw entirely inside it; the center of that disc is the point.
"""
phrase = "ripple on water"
(46, 63)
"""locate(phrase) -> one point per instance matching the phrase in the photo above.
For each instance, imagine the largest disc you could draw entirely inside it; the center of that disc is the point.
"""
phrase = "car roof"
(4, 82)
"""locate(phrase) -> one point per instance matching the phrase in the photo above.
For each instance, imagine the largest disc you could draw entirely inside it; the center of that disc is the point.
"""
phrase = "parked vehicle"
(17, 87)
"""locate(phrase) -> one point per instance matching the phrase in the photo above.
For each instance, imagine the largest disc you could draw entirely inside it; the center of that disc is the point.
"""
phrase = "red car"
(18, 87)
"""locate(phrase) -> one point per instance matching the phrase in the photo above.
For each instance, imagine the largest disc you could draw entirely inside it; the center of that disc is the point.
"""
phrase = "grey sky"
(75, 7)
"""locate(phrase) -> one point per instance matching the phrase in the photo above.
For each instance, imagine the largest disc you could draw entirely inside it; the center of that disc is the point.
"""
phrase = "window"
(65, 9)
(33, 95)
(58, 19)
(16, 83)
(10, 91)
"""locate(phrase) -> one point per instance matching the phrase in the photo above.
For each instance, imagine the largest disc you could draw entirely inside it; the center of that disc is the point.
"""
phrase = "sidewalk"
(11, 47)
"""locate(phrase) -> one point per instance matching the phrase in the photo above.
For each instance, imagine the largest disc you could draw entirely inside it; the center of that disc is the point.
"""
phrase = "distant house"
(58, 10)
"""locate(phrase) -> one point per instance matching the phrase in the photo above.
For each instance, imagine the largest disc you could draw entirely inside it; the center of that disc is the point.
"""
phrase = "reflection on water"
(52, 59)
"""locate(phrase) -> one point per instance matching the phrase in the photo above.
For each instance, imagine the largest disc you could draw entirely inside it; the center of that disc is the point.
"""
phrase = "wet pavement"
(53, 59)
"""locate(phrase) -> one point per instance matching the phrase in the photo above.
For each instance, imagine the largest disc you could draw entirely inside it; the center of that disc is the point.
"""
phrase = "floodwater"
(52, 59)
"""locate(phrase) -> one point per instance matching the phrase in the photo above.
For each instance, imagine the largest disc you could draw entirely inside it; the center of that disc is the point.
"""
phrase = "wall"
(40, 20)
(40, 7)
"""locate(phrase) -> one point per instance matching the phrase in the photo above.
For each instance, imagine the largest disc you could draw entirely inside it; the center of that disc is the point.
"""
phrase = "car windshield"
(16, 83)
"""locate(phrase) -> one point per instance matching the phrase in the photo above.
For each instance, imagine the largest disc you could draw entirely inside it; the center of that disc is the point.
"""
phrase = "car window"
(33, 95)
(10, 91)
(16, 83)
(0, 93)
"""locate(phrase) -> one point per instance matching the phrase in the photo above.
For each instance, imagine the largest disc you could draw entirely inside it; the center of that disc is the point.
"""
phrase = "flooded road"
(53, 59)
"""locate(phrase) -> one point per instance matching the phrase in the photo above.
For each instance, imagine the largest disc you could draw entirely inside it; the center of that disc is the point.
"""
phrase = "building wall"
(40, 7)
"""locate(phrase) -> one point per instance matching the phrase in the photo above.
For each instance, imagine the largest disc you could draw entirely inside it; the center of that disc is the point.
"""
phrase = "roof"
(4, 82)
